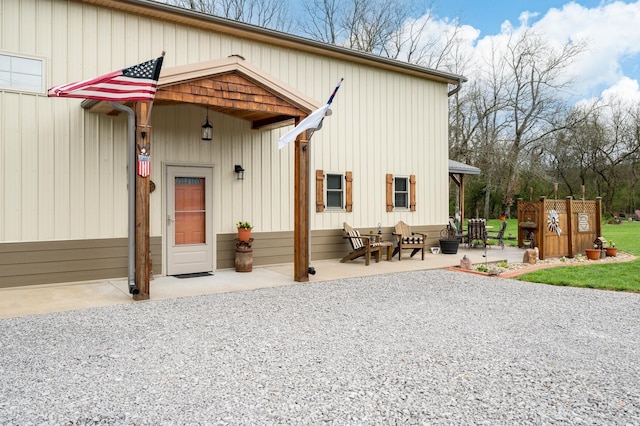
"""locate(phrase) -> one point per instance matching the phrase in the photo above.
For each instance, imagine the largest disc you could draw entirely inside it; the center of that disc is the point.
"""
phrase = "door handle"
(169, 220)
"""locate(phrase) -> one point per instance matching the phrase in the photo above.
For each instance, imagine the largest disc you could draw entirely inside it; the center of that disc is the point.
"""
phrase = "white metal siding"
(64, 169)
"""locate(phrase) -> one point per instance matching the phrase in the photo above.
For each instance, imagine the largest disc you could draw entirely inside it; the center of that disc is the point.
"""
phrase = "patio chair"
(407, 239)
(477, 232)
(363, 245)
(500, 235)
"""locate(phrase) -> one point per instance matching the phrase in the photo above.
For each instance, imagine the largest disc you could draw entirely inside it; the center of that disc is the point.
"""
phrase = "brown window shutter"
(348, 177)
(319, 190)
(412, 193)
(389, 192)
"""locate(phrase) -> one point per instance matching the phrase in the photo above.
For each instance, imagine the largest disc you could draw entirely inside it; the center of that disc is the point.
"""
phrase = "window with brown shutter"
(334, 191)
(401, 192)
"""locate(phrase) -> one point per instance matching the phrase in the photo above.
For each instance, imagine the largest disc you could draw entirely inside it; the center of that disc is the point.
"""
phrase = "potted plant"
(612, 250)
(527, 225)
(244, 231)
(594, 253)
(449, 241)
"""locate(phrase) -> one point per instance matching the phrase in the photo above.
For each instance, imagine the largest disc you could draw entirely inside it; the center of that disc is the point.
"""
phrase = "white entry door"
(189, 220)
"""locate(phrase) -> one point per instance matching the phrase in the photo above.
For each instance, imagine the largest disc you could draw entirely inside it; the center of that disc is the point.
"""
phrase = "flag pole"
(146, 123)
(311, 270)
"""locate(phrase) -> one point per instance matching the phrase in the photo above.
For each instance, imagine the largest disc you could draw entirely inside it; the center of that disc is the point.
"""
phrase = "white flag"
(311, 122)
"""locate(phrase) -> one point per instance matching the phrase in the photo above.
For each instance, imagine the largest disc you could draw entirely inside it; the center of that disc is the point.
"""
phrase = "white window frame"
(397, 192)
(342, 190)
(12, 73)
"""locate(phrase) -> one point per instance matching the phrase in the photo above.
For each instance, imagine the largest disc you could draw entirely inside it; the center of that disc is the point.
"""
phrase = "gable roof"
(231, 86)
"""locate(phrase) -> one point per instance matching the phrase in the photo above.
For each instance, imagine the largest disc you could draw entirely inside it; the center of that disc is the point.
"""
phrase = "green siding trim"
(50, 262)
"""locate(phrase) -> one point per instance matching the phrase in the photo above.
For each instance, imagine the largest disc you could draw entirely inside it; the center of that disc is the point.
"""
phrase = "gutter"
(457, 88)
(131, 185)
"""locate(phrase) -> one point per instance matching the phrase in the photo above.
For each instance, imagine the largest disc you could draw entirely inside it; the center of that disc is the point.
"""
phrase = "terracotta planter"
(244, 234)
(593, 254)
(612, 251)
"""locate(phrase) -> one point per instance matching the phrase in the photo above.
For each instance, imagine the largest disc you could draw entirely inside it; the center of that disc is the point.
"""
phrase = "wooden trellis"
(559, 227)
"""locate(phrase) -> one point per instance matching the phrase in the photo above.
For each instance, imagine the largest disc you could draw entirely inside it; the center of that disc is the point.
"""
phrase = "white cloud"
(610, 31)
(625, 90)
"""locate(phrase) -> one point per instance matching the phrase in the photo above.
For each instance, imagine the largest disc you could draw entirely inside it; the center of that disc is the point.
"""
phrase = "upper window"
(20, 73)
(401, 192)
(335, 191)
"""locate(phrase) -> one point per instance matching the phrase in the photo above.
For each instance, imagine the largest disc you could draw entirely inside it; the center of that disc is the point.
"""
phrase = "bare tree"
(382, 28)
(272, 14)
(322, 20)
(598, 149)
(533, 81)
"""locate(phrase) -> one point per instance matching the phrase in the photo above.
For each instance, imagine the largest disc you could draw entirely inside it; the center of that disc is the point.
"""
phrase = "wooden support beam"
(301, 209)
(569, 231)
(599, 216)
(273, 122)
(461, 200)
(143, 140)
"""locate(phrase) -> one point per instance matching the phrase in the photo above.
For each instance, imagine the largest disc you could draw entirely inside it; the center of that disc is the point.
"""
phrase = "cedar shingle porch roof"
(230, 86)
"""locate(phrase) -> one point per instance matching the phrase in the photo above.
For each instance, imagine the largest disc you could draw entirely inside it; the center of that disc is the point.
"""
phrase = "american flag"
(136, 83)
(144, 165)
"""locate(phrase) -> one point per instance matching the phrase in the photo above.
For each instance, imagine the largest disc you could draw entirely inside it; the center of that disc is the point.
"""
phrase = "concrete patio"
(20, 301)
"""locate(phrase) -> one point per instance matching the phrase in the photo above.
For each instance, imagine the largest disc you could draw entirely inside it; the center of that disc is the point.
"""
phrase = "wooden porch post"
(301, 209)
(461, 202)
(143, 140)
(458, 179)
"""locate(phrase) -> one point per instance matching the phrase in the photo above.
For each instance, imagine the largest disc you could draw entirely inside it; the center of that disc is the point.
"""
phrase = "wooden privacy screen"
(560, 227)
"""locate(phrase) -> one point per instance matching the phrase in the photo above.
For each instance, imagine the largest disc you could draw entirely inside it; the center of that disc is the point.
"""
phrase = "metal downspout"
(131, 174)
(456, 89)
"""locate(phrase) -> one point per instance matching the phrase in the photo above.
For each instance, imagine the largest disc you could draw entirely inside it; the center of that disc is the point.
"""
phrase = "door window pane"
(190, 211)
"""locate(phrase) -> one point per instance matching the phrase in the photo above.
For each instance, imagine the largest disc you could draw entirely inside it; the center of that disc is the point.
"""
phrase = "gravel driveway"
(428, 347)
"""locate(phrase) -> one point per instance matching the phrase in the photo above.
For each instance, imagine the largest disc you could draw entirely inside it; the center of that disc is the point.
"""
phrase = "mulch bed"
(516, 269)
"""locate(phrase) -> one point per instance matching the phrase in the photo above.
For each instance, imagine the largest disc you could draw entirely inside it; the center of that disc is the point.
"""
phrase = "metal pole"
(131, 174)
(310, 269)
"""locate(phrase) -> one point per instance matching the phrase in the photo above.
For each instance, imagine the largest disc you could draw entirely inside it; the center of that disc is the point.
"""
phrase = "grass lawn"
(622, 276)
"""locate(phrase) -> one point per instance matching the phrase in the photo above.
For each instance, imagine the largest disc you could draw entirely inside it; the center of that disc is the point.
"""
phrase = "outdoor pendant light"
(207, 129)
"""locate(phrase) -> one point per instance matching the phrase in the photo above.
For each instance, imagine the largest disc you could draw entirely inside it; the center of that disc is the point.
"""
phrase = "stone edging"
(535, 267)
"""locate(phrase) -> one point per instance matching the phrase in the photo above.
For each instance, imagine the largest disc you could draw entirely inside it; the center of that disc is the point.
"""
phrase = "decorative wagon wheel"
(553, 222)
(449, 233)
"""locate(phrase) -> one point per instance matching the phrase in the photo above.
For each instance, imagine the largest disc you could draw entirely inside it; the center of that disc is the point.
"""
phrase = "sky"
(611, 29)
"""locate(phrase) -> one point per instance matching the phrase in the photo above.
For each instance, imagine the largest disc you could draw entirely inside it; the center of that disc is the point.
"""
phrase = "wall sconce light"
(239, 171)
(207, 129)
